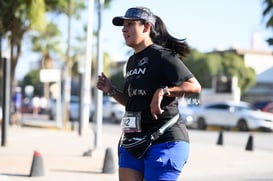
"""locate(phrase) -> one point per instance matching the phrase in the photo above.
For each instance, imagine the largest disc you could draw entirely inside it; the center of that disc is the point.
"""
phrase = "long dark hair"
(161, 36)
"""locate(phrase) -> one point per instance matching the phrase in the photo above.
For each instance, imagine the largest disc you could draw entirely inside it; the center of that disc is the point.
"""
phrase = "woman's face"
(133, 33)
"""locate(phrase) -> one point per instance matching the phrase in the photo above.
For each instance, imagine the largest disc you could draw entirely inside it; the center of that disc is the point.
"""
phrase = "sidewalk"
(62, 153)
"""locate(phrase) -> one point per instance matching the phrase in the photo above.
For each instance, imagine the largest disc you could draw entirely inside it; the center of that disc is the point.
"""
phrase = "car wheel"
(51, 116)
(201, 124)
(91, 118)
(242, 125)
(113, 118)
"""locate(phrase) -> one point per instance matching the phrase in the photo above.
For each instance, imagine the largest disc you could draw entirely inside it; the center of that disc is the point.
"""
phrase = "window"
(218, 106)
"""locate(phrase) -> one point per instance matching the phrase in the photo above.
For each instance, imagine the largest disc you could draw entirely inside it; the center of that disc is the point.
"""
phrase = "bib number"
(131, 122)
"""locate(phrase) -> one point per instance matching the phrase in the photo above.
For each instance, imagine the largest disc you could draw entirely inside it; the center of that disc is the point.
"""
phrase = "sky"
(206, 24)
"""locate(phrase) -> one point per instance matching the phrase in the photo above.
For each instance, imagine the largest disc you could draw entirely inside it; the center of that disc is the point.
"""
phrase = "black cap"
(137, 13)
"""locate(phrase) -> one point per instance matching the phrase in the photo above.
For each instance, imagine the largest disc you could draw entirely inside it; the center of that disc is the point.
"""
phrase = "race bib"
(131, 122)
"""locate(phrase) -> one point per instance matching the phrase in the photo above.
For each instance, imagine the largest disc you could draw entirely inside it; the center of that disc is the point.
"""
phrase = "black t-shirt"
(146, 71)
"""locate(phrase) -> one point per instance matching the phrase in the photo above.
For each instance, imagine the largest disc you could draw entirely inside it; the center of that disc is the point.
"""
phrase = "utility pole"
(6, 100)
(99, 69)
(6, 93)
(67, 80)
(86, 91)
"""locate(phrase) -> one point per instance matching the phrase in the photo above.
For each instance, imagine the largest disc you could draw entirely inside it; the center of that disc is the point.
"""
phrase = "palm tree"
(268, 13)
(18, 17)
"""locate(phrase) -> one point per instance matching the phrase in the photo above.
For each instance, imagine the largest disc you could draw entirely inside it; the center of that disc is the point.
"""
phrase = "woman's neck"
(142, 46)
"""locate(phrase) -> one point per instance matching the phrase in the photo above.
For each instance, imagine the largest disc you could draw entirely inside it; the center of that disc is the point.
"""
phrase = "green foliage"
(26, 13)
(67, 7)
(207, 66)
(8, 9)
(107, 3)
(204, 67)
(106, 63)
(268, 15)
(18, 17)
(36, 14)
(118, 79)
(47, 41)
(234, 66)
(33, 78)
(270, 41)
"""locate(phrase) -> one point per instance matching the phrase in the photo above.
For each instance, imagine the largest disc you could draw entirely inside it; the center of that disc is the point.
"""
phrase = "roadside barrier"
(220, 138)
(37, 168)
(87, 153)
(108, 164)
(249, 144)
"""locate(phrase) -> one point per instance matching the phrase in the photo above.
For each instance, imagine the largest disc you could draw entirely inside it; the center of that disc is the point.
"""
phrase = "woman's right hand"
(156, 102)
(103, 83)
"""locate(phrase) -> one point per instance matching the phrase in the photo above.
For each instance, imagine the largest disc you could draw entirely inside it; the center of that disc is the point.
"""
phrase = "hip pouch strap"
(138, 146)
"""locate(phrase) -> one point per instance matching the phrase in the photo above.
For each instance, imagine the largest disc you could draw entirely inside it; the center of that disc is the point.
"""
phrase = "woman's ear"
(147, 27)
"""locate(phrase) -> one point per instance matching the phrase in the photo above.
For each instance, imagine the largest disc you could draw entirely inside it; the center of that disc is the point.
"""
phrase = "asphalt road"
(62, 152)
(261, 140)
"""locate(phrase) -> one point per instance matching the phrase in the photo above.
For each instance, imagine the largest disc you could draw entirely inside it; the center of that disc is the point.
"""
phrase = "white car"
(228, 114)
(74, 109)
(186, 113)
(112, 110)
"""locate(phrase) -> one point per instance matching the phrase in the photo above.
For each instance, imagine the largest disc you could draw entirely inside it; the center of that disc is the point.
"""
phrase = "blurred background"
(56, 49)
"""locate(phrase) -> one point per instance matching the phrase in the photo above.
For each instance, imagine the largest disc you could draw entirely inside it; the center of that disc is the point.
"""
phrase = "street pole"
(99, 69)
(80, 104)
(67, 78)
(87, 66)
(81, 93)
(6, 86)
(6, 100)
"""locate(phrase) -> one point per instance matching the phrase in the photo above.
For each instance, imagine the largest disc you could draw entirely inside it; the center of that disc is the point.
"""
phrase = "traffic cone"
(108, 164)
(87, 153)
(249, 144)
(37, 168)
(220, 138)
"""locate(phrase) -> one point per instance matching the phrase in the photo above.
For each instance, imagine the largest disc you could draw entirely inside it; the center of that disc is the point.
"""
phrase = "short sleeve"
(174, 70)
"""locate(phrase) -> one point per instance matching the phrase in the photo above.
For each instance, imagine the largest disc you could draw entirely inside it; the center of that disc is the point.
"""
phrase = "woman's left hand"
(156, 102)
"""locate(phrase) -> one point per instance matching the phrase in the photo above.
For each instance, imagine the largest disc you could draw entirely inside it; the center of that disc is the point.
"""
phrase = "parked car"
(268, 107)
(186, 111)
(73, 109)
(112, 110)
(260, 105)
(228, 114)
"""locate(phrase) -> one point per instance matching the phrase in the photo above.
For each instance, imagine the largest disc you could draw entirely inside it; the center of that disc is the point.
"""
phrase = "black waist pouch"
(138, 146)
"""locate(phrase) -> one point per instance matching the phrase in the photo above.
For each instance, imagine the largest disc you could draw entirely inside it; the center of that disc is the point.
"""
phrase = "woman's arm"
(190, 86)
(118, 95)
(104, 84)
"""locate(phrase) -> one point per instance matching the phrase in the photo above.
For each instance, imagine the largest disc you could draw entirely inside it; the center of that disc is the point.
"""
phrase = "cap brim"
(118, 21)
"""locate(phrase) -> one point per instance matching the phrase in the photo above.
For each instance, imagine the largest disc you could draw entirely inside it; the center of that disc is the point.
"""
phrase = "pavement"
(61, 152)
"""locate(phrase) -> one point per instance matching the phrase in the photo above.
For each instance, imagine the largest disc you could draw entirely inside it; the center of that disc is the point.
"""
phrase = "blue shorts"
(162, 161)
